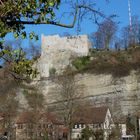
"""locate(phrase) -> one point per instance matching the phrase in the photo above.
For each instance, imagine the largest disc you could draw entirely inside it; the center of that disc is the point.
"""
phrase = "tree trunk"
(69, 136)
(136, 133)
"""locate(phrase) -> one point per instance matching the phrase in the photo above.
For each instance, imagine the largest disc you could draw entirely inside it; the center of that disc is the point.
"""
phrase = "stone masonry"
(56, 52)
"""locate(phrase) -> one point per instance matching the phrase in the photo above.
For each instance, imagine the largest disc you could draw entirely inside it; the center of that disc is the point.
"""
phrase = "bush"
(117, 63)
(86, 133)
(52, 71)
(81, 62)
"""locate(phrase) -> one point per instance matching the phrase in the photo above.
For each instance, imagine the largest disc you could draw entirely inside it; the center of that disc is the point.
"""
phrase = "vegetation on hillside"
(117, 63)
(110, 53)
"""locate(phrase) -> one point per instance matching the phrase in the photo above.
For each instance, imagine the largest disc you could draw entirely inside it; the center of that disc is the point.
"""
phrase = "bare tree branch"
(1, 2)
(78, 7)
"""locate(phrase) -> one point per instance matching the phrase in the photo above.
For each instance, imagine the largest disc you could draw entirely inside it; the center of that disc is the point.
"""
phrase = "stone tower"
(56, 52)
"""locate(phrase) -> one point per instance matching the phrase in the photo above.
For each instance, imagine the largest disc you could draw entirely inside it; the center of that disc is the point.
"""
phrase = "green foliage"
(115, 133)
(15, 14)
(86, 133)
(24, 69)
(45, 136)
(98, 134)
(117, 63)
(81, 62)
(52, 71)
(19, 66)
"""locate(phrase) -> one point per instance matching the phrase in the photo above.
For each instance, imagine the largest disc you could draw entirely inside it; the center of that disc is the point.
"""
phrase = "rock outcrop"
(122, 95)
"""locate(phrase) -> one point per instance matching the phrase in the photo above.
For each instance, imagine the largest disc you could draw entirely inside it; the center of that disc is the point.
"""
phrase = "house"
(125, 132)
(97, 118)
(6, 128)
(30, 125)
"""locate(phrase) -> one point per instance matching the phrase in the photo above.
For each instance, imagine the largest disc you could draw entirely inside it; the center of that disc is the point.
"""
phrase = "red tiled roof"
(64, 129)
(26, 117)
(50, 117)
(91, 115)
(1, 114)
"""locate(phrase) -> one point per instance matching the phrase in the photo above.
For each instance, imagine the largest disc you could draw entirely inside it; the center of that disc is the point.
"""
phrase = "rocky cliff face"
(122, 95)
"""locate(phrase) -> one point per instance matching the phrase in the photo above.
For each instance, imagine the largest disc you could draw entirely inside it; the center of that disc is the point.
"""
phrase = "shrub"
(117, 63)
(81, 62)
(52, 71)
(86, 133)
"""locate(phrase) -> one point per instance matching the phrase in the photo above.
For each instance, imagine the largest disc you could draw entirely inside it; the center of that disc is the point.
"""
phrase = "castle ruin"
(121, 94)
(56, 52)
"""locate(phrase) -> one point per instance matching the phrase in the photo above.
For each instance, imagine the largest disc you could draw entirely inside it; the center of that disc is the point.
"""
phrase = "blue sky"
(118, 7)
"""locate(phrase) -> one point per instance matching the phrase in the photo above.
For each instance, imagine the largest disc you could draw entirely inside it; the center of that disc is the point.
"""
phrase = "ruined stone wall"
(56, 52)
(78, 44)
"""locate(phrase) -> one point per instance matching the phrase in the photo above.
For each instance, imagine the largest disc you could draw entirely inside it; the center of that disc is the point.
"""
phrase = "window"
(50, 126)
(39, 126)
(100, 125)
(30, 126)
(44, 126)
(20, 126)
(80, 126)
(75, 126)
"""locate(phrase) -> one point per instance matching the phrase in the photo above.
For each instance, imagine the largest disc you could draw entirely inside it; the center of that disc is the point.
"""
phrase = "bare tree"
(70, 93)
(104, 34)
(34, 98)
(36, 105)
(131, 38)
(8, 102)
